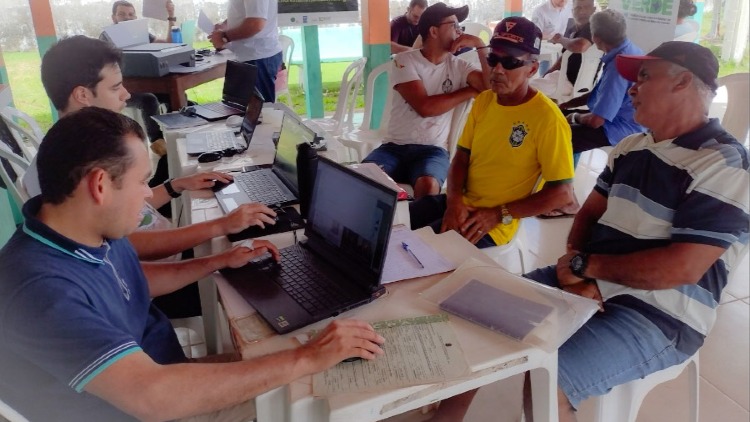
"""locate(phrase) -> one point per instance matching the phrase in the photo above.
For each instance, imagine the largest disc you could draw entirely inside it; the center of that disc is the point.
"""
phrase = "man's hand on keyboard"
(240, 255)
(342, 339)
(247, 215)
(200, 181)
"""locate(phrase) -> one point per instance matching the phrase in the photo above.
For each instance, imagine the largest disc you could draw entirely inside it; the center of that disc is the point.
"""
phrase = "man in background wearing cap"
(429, 83)
(609, 117)
(405, 28)
(657, 236)
(513, 135)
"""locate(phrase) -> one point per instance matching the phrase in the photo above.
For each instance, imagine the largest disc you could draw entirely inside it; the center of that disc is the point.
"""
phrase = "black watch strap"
(170, 189)
(172, 19)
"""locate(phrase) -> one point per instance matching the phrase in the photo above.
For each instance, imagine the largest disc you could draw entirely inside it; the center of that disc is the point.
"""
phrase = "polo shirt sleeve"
(257, 8)
(611, 92)
(404, 69)
(715, 208)
(555, 150)
(52, 324)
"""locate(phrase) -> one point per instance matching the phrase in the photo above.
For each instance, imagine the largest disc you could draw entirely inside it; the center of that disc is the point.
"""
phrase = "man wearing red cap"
(429, 83)
(513, 135)
(656, 238)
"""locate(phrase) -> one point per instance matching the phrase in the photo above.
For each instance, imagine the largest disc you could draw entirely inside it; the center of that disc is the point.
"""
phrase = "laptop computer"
(276, 186)
(132, 35)
(197, 143)
(239, 84)
(338, 267)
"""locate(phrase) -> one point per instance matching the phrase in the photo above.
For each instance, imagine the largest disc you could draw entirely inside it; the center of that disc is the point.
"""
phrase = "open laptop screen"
(352, 214)
(293, 133)
(239, 82)
(252, 114)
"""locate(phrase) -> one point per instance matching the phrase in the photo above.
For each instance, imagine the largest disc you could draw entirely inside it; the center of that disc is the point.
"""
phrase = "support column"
(513, 8)
(735, 30)
(313, 78)
(376, 46)
(44, 28)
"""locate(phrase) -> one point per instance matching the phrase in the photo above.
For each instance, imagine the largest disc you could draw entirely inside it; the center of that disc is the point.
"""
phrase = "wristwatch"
(172, 18)
(578, 264)
(170, 189)
(506, 218)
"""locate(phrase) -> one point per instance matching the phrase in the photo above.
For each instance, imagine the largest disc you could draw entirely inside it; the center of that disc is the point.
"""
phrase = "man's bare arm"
(398, 48)
(585, 219)
(140, 387)
(456, 211)
(432, 105)
(574, 45)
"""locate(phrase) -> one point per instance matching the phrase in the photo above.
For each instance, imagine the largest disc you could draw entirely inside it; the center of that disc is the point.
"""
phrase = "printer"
(155, 63)
(141, 58)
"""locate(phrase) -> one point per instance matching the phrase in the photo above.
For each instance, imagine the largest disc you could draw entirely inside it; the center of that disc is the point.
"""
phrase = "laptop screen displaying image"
(359, 234)
(293, 133)
(252, 114)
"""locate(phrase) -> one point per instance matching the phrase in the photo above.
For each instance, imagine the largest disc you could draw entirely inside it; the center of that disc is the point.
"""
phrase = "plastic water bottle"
(176, 35)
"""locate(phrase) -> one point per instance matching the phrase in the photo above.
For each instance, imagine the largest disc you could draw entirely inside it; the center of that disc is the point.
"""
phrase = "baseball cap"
(694, 57)
(435, 13)
(517, 33)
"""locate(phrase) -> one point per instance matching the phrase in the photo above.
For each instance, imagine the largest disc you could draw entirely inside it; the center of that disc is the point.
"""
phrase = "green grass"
(29, 95)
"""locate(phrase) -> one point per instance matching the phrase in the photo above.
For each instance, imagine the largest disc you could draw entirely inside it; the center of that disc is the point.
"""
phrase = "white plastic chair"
(621, 404)
(691, 36)
(24, 128)
(477, 30)
(282, 77)
(19, 165)
(343, 118)
(365, 139)
(735, 119)
(590, 61)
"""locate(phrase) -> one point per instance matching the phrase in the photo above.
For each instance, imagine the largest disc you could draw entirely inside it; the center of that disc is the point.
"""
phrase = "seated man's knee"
(426, 185)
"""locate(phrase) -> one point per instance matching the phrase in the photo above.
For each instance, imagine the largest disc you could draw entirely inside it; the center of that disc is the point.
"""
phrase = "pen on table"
(407, 249)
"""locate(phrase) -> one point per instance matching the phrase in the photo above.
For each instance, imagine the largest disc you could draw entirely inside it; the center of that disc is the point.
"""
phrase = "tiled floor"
(724, 359)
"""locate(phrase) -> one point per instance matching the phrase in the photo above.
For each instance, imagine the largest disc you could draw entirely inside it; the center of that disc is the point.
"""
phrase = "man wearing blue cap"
(513, 136)
(656, 238)
(429, 83)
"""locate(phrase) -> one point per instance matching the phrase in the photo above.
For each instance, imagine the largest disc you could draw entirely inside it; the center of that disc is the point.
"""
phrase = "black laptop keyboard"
(260, 187)
(309, 286)
(219, 107)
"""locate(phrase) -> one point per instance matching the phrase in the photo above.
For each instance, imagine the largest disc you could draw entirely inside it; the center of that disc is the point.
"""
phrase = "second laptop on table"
(239, 84)
(338, 267)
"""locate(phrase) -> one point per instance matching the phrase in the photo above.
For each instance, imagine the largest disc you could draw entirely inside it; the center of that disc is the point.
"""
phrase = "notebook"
(278, 185)
(223, 139)
(338, 267)
(239, 84)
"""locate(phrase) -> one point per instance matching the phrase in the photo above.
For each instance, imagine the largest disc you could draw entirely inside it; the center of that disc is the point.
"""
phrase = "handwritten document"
(420, 350)
(401, 265)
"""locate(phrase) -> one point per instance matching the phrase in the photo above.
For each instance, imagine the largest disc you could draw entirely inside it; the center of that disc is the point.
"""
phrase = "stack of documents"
(410, 257)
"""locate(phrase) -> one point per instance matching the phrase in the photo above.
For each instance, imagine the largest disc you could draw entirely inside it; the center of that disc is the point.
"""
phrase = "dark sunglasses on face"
(507, 62)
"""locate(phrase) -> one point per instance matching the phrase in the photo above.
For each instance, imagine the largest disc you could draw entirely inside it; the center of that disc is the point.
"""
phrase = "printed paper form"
(156, 9)
(421, 350)
(204, 23)
(402, 265)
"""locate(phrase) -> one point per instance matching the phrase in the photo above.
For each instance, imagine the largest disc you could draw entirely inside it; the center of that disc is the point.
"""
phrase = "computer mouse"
(209, 157)
(234, 121)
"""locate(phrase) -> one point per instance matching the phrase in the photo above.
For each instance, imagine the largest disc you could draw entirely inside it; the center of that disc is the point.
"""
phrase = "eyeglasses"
(455, 24)
(507, 62)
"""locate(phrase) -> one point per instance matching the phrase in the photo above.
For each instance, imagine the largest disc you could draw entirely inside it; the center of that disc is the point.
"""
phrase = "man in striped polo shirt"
(656, 238)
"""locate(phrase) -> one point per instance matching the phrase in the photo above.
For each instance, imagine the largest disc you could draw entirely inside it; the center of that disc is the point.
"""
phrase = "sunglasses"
(507, 62)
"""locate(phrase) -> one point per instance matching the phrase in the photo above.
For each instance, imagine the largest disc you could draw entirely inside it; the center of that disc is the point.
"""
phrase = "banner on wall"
(317, 12)
(650, 22)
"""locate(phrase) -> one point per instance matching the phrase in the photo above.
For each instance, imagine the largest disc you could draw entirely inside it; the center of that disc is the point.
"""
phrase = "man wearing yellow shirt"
(513, 136)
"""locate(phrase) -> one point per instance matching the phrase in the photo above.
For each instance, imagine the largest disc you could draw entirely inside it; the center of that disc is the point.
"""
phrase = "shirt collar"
(40, 232)
(610, 55)
(695, 139)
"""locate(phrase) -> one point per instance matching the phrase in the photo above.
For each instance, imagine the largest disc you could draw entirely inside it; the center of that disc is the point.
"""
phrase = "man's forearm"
(440, 104)
(655, 269)
(585, 219)
(248, 28)
(546, 200)
(166, 277)
(575, 45)
(398, 48)
(158, 244)
(576, 102)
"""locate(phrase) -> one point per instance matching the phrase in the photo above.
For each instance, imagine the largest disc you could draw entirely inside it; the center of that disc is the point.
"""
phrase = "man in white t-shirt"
(251, 32)
(429, 83)
(552, 17)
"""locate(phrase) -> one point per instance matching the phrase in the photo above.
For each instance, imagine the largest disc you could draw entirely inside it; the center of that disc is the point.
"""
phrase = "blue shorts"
(407, 163)
(616, 346)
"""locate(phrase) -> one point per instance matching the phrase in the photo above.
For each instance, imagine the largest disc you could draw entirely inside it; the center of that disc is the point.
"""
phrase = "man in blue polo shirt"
(656, 238)
(80, 339)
